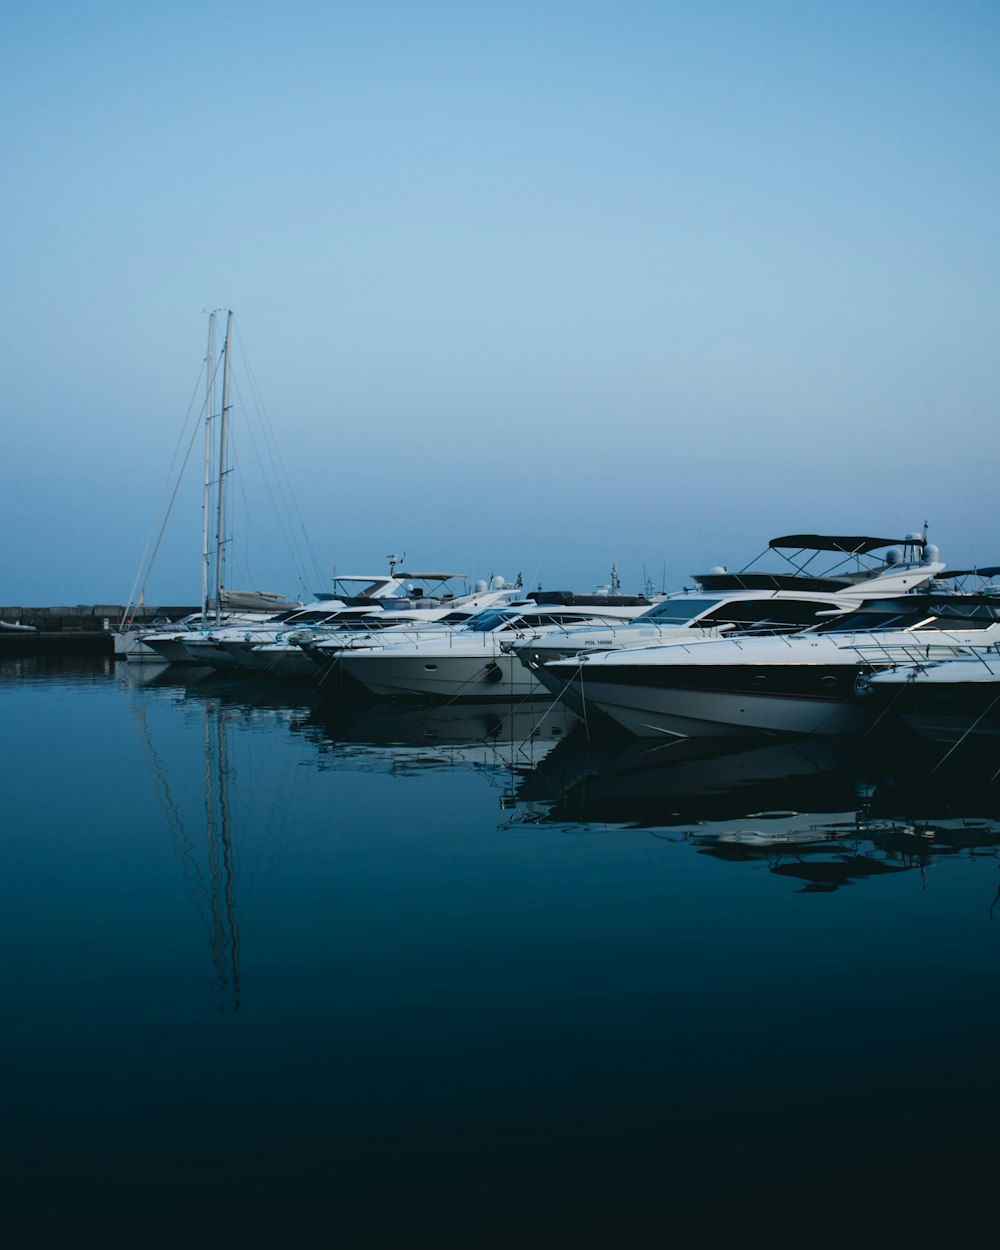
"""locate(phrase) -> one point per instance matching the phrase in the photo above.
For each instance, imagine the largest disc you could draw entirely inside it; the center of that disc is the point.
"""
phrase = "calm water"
(281, 973)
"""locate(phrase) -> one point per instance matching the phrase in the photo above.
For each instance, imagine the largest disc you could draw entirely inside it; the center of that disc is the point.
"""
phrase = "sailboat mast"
(223, 431)
(206, 497)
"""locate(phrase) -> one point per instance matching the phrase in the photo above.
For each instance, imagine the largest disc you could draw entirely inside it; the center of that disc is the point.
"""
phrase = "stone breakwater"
(79, 627)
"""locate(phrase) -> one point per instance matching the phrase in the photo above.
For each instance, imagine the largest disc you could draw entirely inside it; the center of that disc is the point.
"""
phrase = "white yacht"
(469, 661)
(950, 701)
(755, 600)
(304, 650)
(206, 645)
(165, 643)
(352, 598)
(805, 683)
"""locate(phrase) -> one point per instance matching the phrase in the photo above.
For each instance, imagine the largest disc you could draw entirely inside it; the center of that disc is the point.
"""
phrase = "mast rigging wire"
(133, 600)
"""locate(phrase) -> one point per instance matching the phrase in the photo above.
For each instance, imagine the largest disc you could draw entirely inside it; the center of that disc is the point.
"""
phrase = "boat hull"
(441, 677)
(674, 701)
(129, 646)
(277, 661)
(947, 713)
(206, 651)
(169, 650)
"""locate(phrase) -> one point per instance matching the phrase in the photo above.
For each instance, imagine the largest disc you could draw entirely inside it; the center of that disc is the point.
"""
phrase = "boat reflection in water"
(822, 812)
(817, 811)
(504, 741)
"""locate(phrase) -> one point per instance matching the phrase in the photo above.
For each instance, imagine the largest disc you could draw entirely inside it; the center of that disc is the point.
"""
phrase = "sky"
(518, 287)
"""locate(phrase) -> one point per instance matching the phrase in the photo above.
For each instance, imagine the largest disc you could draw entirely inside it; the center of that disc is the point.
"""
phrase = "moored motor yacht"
(469, 661)
(755, 599)
(322, 649)
(407, 596)
(805, 683)
(165, 643)
(351, 594)
(303, 650)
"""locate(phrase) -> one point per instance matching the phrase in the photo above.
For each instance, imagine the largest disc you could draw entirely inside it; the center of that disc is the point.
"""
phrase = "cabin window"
(677, 611)
(761, 615)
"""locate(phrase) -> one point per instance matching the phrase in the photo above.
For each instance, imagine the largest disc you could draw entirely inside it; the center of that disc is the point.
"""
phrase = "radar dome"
(716, 570)
(893, 556)
(931, 553)
(480, 587)
(914, 538)
(498, 583)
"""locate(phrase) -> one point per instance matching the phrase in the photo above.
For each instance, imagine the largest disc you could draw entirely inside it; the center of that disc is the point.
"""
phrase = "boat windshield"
(483, 622)
(677, 611)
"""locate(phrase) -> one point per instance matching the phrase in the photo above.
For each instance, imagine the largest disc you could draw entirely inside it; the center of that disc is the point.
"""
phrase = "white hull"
(128, 645)
(480, 676)
(169, 650)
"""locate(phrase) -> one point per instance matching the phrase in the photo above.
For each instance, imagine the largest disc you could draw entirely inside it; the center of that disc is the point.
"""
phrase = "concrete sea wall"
(80, 627)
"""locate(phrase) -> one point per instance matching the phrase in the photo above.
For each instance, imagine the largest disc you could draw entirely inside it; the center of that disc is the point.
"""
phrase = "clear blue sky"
(524, 285)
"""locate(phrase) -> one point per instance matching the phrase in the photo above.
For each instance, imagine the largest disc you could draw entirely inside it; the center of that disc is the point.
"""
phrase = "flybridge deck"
(856, 563)
(358, 588)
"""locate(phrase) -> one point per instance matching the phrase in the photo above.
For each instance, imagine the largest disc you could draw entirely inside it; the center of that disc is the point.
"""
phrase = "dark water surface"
(282, 973)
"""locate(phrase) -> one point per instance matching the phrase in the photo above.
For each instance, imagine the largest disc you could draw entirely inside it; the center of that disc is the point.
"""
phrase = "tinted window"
(677, 611)
(962, 616)
(874, 618)
(493, 619)
(917, 614)
(761, 615)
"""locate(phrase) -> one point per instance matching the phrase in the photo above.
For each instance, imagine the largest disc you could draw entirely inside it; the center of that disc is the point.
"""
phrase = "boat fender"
(494, 672)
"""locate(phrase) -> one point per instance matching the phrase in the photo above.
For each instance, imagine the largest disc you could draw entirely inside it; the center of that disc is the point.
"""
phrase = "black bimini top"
(770, 581)
(840, 577)
(851, 545)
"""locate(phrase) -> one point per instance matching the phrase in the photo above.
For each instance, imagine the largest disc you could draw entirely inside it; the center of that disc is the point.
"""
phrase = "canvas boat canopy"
(852, 545)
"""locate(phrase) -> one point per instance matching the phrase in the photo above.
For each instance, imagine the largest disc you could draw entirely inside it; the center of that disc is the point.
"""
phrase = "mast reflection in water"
(211, 871)
(222, 870)
(497, 984)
